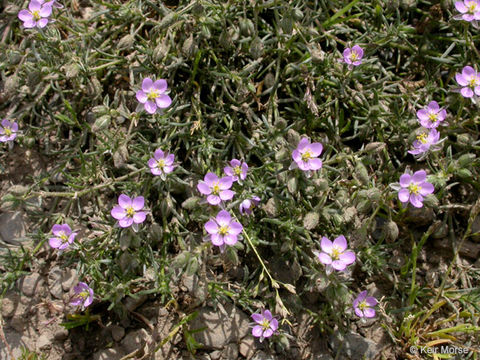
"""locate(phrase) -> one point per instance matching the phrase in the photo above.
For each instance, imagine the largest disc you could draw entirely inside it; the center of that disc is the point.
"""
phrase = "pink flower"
(216, 189)
(63, 236)
(432, 116)
(223, 230)
(334, 255)
(161, 163)
(127, 212)
(426, 142)
(153, 95)
(470, 80)
(469, 11)
(248, 205)
(237, 170)
(53, 3)
(265, 325)
(363, 305)
(353, 56)
(36, 15)
(8, 130)
(305, 156)
(83, 295)
(414, 187)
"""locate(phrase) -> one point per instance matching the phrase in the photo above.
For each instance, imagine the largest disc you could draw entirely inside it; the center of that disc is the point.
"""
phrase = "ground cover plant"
(239, 179)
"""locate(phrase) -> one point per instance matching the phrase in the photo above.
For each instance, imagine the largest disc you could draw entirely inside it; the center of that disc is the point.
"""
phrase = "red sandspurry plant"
(63, 236)
(36, 15)
(129, 212)
(364, 305)
(469, 80)
(83, 295)
(353, 56)
(432, 116)
(335, 254)
(426, 142)
(223, 230)
(265, 325)
(237, 170)
(162, 163)
(305, 156)
(153, 95)
(412, 188)
(217, 189)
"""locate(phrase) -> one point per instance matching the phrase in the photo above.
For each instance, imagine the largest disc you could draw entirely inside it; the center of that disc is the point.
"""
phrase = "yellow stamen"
(473, 82)
(363, 305)
(432, 117)
(265, 324)
(353, 56)
(152, 95)
(307, 155)
(472, 6)
(8, 131)
(335, 253)
(161, 163)
(237, 170)
(422, 138)
(224, 230)
(414, 188)
(64, 237)
(215, 189)
(84, 294)
(130, 211)
(36, 15)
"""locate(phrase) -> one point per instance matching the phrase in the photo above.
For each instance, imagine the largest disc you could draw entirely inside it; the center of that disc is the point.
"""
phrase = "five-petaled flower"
(83, 295)
(305, 156)
(36, 15)
(63, 236)
(153, 95)
(216, 189)
(426, 142)
(414, 187)
(161, 163)
(353, 56)
(431, 116)
(8, 130)
(334, 255)
(469, 11)
(265, 325)
(127, 212)
(222, 230)
(237, 170)
(469, 79)
(363, 305)
(247, 205)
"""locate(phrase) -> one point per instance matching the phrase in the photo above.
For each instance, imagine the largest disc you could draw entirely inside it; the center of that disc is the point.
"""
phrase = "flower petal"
(118, 213)
(426, 188)
(160, 85)
(223, 218)
(419, 176)
(23, 15)
(257, 331)
(324, 258)
(139, 217)
(216, 239)
(34, 5)
(124, 201)
(267, 315)
(461, 80)
(267, 333)
(46, 11)
(125, 222)
(147, 84)
(326, 245)
(226, 194)
(211, 227)
(141, 96)
(42, 23)
(235, 228)
(315, 164)
(258, 318)
(416, 200)
(163, 101)
(371, 301)
(316, 148)
(348, 257)
(213, 199)
(302, 144)
(403, 195)
(210, 179)
(405, 180)
(338, 265)
(466, 92)
(230, 239)
(340, 243)
(150, 107)
(204, 188)
(274, 324)
(138, 203)
(369, 313)
(55, 242)
(225, 183)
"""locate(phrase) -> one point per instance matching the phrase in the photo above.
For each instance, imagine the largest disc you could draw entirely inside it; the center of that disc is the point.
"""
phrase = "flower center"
(472, 6)
(160, 163)
(353, 56)
(152, 95)
(432, 117)
(130, 211)
(473, 81)
(36, 15)
(414, 188)
(307, 155)
(224, 230)
(84, 294)
(8, 131)
(237, 170)
(215, 189)
(265, 324)
(422, 138)
(363, 305)
(335, 253)
(63, 237)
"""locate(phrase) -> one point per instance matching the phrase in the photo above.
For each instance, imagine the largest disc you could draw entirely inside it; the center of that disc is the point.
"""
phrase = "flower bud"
(293, 137)
(191, 203)
(375, 147)
(102, 123)
(311, 220)
(256, 48)
(431, 201)
(466, 159)
(292, 185)
(246, 27)
(391, 231)
(362, 173)
(126, 42)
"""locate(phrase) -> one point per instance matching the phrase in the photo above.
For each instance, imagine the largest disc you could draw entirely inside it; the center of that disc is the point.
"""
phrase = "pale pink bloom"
(265, 325)
(36, 15)
(364, 305)
(334, 254)
(153, 95)
(432, 116)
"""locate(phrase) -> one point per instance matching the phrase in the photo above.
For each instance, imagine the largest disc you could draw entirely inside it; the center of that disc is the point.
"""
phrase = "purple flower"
(469, 11)
(305, 156)
(265, 325)
(127, 212)
(53, 3)
(237, 170)
(432, 116)
(363, 305)
(334, 255)
(414, 187)
(153, 95)
(470, 80)
(36, 15)
(247, 205)
(353, 56)
(161, 163)
(426, 142)
(216, 189)
(223, 230)
(63, 236)
(83, 295)
(8, 130)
